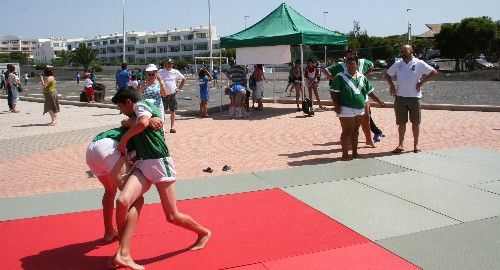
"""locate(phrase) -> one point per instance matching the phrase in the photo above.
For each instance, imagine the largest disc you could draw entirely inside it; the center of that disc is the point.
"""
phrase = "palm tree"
(84, 55)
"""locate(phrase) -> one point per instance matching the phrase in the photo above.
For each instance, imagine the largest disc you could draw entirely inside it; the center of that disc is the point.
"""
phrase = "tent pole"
(274, 84)
(302, 71)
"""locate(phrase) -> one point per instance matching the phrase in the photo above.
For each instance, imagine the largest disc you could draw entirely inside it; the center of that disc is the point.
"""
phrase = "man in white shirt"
(171, 77)
(409, 72)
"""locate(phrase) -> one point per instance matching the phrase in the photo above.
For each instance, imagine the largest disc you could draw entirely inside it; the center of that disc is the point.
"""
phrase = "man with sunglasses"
(411, 74)
(174, 81)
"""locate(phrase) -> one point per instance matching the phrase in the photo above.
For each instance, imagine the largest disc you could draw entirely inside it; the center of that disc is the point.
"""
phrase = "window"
(142, 41)
(151, 50)
(25, 42)
(56, 44)
(120, 40)
(5, 42)
(175, 38)
(162, 49)
(131, 39)
(201, 35)
(140, 51)
(89, 44)
(130, 49)
(188, 37)
(152, 40)
(201, 46)
(187, 48)
(163, 39)
(111, 50)
(104, 42)
(113, 41)
(102, 51)
(173, 48)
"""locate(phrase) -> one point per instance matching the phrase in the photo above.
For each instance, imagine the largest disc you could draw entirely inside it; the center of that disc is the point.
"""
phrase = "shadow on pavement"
(32, 125)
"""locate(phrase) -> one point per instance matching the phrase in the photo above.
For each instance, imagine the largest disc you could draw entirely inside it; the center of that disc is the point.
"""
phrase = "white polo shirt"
(408, 75)
(170, 77)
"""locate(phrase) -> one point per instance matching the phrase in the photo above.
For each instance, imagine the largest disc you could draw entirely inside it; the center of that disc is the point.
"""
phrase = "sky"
(89, 18)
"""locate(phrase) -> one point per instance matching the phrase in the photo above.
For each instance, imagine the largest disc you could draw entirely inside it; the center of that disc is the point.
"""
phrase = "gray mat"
(448, 168)
(368, 211)
(473, 245)
(452, 199)
(472, 155)
(328, 172)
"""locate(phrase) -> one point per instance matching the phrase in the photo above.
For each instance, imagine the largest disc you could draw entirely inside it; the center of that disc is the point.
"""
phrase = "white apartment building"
(47, 49)
(147, 47)
(10, 43)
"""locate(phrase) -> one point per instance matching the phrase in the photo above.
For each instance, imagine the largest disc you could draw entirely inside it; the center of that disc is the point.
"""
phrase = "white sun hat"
(151, 67)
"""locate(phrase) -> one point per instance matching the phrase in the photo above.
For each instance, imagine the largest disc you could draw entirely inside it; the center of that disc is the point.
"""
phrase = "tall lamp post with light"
(324, 25)
(409, 25)
(123, 28)
(210, 35)
(246, 17)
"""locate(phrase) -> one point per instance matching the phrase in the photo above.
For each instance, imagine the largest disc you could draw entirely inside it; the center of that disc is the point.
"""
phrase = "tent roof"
(283, 26)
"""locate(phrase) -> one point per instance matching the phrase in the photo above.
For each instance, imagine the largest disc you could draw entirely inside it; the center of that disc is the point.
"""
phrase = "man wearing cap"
(170, 77)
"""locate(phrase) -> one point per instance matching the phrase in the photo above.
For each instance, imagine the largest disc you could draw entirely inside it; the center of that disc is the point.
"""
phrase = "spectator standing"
(298, 82)
(25, 76)
(122, 77)
(171, 77)
(349, 93)
(215, 76)
(291, 79)
(312, 76)
(203, 79)
(153, 88)
(89, 89)
(133, 81)
(258, 75)
(407, 93)
(51, 104)
(238, 75)
(6, 85)
(14, 83)
(365, 67)
(78, 78)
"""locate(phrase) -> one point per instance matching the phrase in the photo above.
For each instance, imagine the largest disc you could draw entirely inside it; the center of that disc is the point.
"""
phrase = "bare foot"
(127, 262)
(52, 123)
(110, 237)
(372, 145)
(201, 242)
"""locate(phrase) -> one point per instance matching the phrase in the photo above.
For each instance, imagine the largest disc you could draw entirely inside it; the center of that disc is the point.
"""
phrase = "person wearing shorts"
(349, 94)
(89, 89)
(154, 161)
(111, 168)
(407, 93)
(237, 94)
(171, 76)
(258, 74)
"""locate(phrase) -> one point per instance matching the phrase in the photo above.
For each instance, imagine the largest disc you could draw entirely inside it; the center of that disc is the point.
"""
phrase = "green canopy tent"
(284, 26)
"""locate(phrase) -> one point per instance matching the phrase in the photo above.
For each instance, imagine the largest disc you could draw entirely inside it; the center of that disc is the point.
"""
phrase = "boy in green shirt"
(155, 163)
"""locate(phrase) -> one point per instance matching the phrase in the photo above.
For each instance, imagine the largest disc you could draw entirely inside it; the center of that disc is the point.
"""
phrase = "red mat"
(367, 256)
(247, 228)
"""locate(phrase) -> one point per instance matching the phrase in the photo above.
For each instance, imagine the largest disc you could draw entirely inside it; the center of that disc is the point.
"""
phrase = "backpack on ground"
(307, 107)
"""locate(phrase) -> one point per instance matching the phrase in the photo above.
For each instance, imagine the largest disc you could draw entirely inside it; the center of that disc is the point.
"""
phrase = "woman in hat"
(153, 88)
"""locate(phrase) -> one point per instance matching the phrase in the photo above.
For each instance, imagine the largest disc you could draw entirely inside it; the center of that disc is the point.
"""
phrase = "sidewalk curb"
(443, 107)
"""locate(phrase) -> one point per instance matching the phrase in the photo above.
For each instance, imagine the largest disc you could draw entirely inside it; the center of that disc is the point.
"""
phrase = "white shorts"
(102, 156)
(350, 112)
(259, 89)
(157, 170)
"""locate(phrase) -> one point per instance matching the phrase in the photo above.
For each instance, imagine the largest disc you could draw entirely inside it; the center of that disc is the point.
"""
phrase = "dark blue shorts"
(204, 95)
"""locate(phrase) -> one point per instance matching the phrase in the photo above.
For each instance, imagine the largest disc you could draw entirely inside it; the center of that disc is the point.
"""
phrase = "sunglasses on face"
(151, 74)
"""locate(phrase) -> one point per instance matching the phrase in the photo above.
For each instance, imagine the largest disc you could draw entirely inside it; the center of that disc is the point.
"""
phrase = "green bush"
(40, 66)
(97, 67)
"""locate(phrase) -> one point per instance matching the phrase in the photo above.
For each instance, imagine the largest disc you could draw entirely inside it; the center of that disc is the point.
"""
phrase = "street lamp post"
(246, 17)
(324, 25)
(123, 28)
(409, 25)
(210, 34)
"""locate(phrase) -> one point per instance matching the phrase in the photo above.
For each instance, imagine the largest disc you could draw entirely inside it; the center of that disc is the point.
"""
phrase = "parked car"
(391, 61)
(482, 64)
(432, 63)
(380, 63)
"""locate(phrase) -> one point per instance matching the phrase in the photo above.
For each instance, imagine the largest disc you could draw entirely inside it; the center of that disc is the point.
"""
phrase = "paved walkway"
(437, 199)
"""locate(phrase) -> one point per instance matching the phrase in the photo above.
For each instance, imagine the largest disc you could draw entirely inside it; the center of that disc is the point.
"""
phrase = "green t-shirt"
(115, 134)
(363, 66)
(150, 143)
(353, 94)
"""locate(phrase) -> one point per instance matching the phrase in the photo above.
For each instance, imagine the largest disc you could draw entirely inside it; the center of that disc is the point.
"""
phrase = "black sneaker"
(226, 168)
